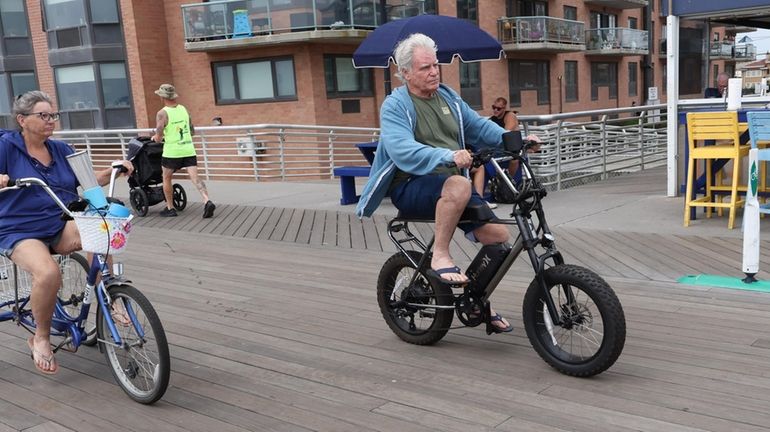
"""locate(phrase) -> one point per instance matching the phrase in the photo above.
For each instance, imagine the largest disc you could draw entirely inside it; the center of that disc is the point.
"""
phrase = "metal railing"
(540, 29)
(582, 147)
(746, 51)
(616, 38)
(722, 49)
(226, 19)
(576, 149)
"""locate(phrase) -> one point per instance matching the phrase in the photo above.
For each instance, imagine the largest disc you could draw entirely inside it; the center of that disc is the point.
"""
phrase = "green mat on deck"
(724, 282)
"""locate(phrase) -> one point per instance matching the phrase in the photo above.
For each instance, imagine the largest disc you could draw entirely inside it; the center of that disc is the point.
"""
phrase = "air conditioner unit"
(248, 147)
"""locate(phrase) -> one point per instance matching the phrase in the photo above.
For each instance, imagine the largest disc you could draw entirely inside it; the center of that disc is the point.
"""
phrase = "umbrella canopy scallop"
(454, 37)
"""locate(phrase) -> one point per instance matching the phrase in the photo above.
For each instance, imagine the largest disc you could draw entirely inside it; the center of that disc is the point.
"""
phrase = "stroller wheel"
(179, 197)
(139, 201)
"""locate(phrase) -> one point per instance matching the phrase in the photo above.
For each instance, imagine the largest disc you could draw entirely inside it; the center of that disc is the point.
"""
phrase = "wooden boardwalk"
(273, 324)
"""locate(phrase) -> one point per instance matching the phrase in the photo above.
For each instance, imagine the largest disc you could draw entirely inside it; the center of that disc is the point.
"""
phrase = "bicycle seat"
(472, 213)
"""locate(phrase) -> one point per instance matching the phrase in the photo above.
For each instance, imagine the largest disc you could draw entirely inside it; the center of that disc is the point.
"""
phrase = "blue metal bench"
(347, 175)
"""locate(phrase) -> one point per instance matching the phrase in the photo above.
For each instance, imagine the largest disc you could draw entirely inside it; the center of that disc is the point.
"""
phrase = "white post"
(751, 221)
(672, 93)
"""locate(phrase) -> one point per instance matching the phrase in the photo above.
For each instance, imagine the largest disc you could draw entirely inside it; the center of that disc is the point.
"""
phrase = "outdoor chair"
(722, 127)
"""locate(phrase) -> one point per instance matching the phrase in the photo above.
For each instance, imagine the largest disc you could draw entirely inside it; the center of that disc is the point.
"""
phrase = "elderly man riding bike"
(426, 126)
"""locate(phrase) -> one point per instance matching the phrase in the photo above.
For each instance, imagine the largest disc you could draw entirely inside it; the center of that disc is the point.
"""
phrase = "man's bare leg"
(168, 192)
(192, 171)
(454, 197)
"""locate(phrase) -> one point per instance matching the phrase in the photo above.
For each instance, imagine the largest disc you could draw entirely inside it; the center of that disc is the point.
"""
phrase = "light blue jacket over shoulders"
(399, 149)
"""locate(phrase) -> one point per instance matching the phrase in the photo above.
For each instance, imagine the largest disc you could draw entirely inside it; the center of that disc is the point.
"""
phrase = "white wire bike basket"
(103, 234)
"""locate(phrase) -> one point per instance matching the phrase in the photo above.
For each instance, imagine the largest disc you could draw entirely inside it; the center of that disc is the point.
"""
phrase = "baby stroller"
(146, 182)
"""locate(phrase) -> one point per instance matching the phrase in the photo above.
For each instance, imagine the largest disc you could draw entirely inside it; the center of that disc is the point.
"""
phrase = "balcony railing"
(541, 33)
(235, 19)
(616, 41)
(722, 50)
(745, 52)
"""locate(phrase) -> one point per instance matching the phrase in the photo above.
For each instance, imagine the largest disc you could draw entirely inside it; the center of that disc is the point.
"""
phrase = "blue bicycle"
(124, 323)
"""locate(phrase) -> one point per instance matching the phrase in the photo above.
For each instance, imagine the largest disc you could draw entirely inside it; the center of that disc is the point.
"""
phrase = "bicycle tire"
(435, 323)
(574, 348)
(143, 377)
(74, 270)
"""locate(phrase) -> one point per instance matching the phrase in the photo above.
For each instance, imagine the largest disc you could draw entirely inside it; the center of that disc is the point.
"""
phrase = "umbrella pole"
(386, 71)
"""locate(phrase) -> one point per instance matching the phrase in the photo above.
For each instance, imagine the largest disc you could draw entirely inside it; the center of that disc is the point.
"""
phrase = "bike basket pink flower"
(103, 235)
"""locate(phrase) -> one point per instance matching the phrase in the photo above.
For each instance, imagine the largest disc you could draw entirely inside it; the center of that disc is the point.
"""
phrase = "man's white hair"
(405, 50)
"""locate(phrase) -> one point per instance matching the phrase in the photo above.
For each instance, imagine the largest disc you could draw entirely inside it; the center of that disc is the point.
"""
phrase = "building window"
(604, 75)
(570, 13)
(528, 75)
(15, 28)
(64, 14)
(632, 23)
(571, 81)
(81, 89)
(430, 7)
(255, 81)
(104, 11)
(468, 9)
(527, 8)
(343, 80)
(21, 82)
(470, 84)
(633, 80)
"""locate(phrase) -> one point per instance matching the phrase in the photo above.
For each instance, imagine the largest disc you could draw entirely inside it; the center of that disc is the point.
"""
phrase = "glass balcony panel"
(540, 30)
(617, 40)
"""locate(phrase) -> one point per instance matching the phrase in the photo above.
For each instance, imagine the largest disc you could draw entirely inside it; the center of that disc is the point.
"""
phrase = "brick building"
(288, 61)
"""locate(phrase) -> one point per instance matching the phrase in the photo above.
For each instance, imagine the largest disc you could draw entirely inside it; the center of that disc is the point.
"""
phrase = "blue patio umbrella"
(454, 37)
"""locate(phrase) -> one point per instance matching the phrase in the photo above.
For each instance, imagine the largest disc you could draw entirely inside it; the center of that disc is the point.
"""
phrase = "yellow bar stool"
(722, 127)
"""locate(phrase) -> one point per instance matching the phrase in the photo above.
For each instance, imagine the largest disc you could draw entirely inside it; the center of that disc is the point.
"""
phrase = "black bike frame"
(528, 239)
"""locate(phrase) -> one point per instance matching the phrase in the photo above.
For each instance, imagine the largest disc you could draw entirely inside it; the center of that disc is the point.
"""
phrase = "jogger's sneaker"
(208, 209)
(167, 212)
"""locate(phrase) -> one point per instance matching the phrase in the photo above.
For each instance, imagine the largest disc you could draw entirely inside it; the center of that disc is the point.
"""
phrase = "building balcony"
(722, 50)
(616, 41)
(745, 52)
(540, 33)
(619, 4)
(237, 24)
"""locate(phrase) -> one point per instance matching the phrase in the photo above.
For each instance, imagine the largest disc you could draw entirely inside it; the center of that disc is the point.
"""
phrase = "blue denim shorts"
(417, 198)
(48, 241)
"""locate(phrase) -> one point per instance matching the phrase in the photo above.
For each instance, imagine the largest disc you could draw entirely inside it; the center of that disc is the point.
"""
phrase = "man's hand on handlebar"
(4, 180)
(462, 158)
(532, 143)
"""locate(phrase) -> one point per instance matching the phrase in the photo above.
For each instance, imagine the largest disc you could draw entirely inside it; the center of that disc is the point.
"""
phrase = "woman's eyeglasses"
(497, 108)
(46, 116)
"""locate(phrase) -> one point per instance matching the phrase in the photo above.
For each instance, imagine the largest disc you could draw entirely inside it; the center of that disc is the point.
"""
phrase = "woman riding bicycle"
(31, 227)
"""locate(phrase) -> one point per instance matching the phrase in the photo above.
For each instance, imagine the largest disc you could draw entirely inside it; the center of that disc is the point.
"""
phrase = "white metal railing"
(578, 147)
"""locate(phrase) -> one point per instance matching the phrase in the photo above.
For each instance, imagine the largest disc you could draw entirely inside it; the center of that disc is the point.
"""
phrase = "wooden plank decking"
(273, 324)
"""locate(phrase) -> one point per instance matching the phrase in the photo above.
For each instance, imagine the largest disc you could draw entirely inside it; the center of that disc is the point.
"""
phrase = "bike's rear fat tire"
(399, 269)
(151, 380)
(592, 292)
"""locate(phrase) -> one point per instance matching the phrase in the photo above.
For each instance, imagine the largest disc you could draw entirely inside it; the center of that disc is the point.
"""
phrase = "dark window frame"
(516, 84)
(362, 76)
(633, 79)
(576, 87)
(597, 80)
(468, 10)
(100, 112)
(238, 101)
(471, 95)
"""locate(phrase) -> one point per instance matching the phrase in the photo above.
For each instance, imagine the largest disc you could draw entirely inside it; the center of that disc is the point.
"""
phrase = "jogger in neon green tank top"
(174, 128)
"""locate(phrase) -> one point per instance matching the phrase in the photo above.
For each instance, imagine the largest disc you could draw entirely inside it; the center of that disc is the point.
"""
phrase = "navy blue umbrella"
(453, 37)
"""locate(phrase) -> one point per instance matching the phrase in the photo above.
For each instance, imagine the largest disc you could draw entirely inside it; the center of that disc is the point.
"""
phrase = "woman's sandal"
(49, 360)
(491, 328)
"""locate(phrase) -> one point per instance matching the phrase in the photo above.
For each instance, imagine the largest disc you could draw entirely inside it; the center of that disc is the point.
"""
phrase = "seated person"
(30, 223)
(425, 126)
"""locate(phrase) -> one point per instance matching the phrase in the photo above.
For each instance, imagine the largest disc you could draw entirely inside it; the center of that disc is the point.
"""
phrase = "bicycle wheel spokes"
(140, 364)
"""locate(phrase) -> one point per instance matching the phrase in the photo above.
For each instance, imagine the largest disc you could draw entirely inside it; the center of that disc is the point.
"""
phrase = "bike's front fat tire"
(594, 330)
(142, 365)
(421, 326)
